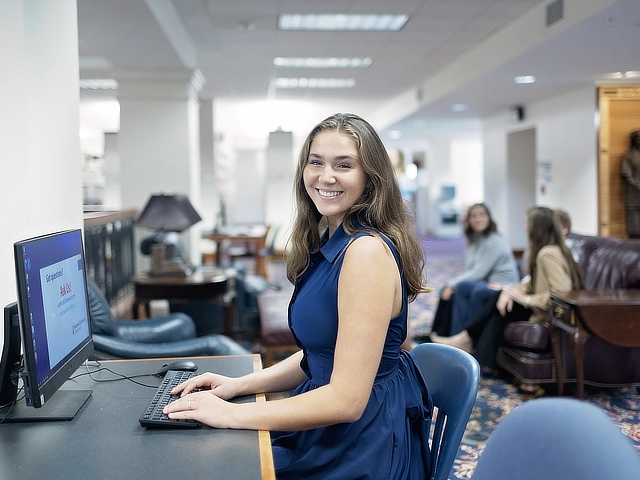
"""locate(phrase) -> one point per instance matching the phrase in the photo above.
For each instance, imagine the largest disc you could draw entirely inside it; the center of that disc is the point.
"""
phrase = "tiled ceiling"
(233, 43)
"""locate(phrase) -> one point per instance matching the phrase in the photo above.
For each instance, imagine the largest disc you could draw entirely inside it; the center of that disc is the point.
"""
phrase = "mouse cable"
(120, 376)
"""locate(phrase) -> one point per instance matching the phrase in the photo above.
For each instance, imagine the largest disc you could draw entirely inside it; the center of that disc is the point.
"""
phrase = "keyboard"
(153, 416)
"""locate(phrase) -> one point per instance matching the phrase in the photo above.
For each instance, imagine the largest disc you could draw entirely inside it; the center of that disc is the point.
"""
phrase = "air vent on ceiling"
(555, 13)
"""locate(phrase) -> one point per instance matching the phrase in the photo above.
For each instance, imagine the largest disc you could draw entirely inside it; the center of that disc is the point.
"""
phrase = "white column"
(159, 141)
(209, 195)
(279, 192)
(41, 180)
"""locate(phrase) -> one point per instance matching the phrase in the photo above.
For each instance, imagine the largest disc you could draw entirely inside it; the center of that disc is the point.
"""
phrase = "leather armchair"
(170, 336)
(526, 352)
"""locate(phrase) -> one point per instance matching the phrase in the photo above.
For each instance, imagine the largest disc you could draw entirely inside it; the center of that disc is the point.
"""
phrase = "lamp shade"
(170, 213)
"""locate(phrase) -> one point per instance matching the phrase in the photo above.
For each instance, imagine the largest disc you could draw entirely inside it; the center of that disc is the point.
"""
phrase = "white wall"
(454, 156)
(41, 181)
(566, 138)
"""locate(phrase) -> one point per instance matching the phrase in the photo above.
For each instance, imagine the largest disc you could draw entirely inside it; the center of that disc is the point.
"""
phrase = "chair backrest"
(102, 320)
(557, 439)
(452, 376)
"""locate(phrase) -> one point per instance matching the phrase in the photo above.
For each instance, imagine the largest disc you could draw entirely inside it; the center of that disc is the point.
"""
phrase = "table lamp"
(169, 215)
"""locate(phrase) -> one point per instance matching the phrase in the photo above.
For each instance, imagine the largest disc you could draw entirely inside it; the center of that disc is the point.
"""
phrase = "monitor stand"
(62, 406)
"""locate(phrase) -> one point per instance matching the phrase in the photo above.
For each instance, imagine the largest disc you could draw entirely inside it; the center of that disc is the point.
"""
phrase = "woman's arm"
(369, 295)
(281, 377)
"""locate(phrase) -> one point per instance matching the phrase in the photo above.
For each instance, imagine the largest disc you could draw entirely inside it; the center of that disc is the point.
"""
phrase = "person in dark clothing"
(630, 171)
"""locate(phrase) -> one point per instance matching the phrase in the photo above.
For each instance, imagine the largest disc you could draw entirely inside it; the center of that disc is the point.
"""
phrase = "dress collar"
(334, 245)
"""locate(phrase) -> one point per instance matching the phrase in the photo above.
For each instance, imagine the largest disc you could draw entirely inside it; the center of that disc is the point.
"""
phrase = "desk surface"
(105, 440)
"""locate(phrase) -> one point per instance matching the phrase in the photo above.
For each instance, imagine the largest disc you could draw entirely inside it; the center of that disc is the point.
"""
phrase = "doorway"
(619, 108)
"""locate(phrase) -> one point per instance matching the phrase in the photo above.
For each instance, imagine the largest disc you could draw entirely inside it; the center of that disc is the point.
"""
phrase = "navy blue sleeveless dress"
(390, 440)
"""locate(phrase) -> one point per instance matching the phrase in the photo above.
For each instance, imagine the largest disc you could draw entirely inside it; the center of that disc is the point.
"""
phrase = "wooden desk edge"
(264, 438)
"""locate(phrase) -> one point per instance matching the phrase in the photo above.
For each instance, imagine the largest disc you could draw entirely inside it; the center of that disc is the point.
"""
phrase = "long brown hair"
(379, 208)
(545, 229)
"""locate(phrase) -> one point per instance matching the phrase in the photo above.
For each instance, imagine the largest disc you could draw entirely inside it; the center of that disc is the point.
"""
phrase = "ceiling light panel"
(328, 62)
(370, 23)
(524, 79)
(283, 82)
(98, 84)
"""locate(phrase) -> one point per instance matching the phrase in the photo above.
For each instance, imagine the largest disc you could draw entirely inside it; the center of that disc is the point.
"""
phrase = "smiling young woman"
(359, 406)
(333, 176)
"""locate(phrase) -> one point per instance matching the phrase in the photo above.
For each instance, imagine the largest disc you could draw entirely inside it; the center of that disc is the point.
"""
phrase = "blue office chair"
(557, 439)
(169, 336)
(452, 376)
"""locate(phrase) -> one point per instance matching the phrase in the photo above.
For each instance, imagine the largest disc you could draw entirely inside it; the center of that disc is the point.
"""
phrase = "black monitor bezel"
(37, 395)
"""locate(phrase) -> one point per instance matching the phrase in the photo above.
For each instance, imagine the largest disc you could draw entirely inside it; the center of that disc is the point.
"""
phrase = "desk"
(204, 284)
(252, 234)
(612, 315)
(105, 441)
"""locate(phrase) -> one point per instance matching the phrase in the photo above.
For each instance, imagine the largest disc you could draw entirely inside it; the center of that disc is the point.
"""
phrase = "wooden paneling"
(619, 108)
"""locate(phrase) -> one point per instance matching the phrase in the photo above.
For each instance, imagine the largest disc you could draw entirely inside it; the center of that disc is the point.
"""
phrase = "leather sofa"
(160, 337)
(526, 352)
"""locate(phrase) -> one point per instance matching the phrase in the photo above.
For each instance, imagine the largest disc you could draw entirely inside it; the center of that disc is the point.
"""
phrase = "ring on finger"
(189, 404)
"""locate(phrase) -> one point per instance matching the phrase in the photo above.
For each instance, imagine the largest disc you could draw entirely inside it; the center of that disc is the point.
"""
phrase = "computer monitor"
(54, 323)
(10, 357)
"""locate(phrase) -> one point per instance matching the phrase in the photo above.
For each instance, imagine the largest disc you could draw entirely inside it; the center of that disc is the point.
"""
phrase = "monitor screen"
(53, 311)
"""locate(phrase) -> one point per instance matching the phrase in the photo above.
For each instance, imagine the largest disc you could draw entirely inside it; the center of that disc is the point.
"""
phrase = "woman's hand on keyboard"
(218, 385)
(203, 407)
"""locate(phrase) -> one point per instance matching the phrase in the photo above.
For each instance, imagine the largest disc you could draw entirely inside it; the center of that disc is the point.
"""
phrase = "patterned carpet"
(496, 396)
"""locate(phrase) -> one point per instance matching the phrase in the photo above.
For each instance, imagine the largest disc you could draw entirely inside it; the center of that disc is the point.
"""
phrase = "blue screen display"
(54, 280)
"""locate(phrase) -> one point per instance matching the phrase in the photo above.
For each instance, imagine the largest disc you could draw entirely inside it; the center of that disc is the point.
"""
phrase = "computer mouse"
(184, 365)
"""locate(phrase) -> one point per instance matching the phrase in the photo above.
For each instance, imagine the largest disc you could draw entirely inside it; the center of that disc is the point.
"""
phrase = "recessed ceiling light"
(282, 82)
(318, 62)
(459, 107)
(391, 23)
(523, 79)
(624, 75)
(98, 84)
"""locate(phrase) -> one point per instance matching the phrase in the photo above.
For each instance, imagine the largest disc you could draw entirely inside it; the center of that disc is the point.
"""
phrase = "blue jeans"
(468, 300)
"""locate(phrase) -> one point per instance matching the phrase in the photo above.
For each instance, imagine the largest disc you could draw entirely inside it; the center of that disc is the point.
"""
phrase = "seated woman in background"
(488, 265)
(471, 296)
(552, 269)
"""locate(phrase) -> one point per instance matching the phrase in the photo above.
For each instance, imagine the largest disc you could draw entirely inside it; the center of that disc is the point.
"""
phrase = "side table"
(611, 315)
(250, 234)
(214, 285)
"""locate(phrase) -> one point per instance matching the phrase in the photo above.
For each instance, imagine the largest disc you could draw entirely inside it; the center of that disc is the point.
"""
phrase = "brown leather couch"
(527, 354)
